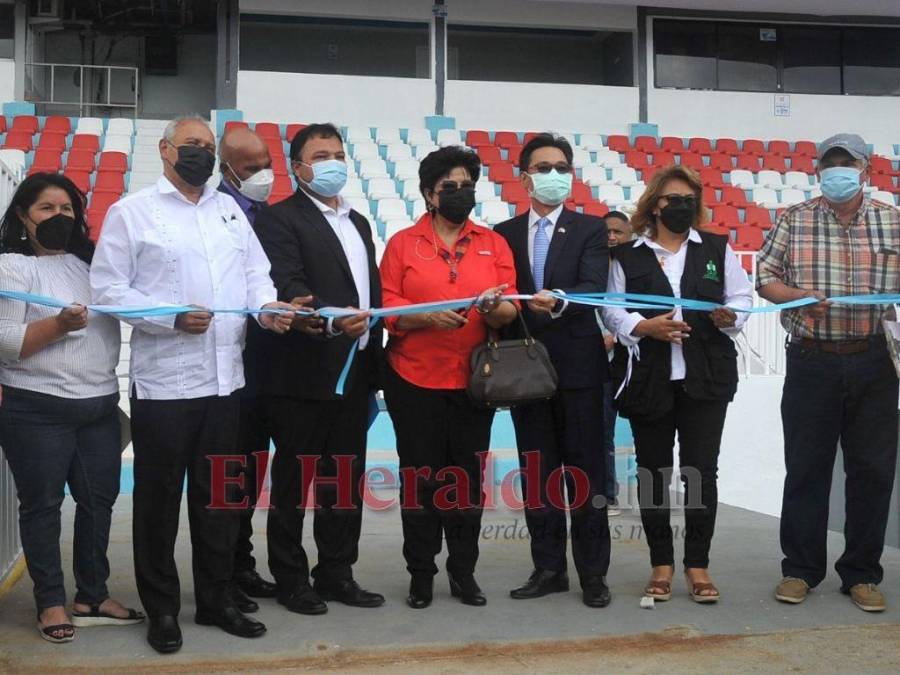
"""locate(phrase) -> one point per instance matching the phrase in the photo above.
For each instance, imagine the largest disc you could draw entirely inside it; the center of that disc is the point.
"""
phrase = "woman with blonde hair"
(676, 370)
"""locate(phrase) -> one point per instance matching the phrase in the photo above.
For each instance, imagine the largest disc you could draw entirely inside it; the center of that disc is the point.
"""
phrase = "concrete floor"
(748, 631)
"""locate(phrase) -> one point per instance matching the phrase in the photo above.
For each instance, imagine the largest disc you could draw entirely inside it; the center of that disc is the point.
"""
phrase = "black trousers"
(172, 438)
(566, 432)
(332, 435)
(439, 429)
(254, 439)
(851, 398)
(699, 426)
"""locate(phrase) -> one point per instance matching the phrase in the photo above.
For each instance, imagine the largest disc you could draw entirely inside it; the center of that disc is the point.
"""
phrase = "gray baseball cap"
(852, 143)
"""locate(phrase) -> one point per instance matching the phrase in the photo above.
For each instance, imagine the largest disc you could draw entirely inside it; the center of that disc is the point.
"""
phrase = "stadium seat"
(882, 181)
(663, 159)
(766, 197)
(109, 181)
(57, 124)
(774, 163)
(595, 175)
(113, 161)
(418, 208)
(513, 191)
(14, 159)
(365, 150)
(422, 151)
(484, 192)
(782, 148)
(802, 162)
(81, 160)
(883, 196)
(592, 142)
(753, 146)
(807, 148)
(275, 146)
(637, 159)
(47, 160)
(635, 191)
(596, 209)
(790, 197)
(2, 124)
(394, 225)
(727, 145)
(391, 208)
(715, 229)
(236, 124)
(500, 173)
(648, 172)
(398, 151)
(581, 193)
(710, 197)
(700, 145)
(748, 162)
(608, 158)
(268, 130)
(353, 187)
(612, 195)
(387, 135)
(672, 144)
(359, 134)
(476, 138)
(646, 144)
(292, 130)
(53, 141)
(530, 135)
(117, 144)
(757, 216)
(25, 124)
(89, 125)
(748, 239)
(120, 126)
(94, 219)
(710, 177)
(513, 152)
(82, 179)
(488, 153)
(18, 140)
(691, 160)
(373, 168)
(624, 176)
(406, 168)
(419, 136)
(447, 137)
(767, 178)
(505, 139)
(360, 205)
(494, 212)
(618, 143)
(727, 216)
(881, 164)
(733, 196)
(797, 179)
(721, 162)
(382, 188)
(581, 158)
(101, 201)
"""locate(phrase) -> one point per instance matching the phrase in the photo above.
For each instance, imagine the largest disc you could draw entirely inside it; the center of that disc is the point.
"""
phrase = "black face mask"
(678, 219)
(195, 165)
(55, 232)
(456, 206)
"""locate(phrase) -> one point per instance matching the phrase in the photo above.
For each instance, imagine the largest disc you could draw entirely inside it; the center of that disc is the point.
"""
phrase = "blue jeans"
(48, 442)
(609, 441)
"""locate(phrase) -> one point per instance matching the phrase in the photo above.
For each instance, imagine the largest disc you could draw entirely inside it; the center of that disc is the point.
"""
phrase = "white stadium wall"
(7, 80)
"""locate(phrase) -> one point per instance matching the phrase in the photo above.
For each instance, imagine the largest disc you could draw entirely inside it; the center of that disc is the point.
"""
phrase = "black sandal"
(95, 617)
(47, 632)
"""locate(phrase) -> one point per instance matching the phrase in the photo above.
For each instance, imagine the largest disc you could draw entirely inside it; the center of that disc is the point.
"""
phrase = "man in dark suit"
(319, 247)
(559, 249)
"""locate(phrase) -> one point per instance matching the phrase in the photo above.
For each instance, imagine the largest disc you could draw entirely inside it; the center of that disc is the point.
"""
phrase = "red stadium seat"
(280, 166)
(711, 177)
(2, 124)
(95, 223)
(47, 160)
(753, 146)
(276, 197)
(109, 181)
(596, 209)
(757, 216)
(727, 145)
(476, 138)
(748, 239)
(283, 184)
(748, 162)
(881, 165)
(500, 172)
(646, 144)
(726, 215)
(700, 145)
(522, 205)
(231, 124)
(712, 228)
(489, 154)
(802, 163)
(807, 148)
(101, 201)
(672, 144)
(113, 161)
(57, 124)
(618, 143)
(636, 159)
(782, 148)
(882, 181)
(734, 196)
(692, 161)
(663, 159)
(648, 172)
(276, 149)
(292, 130)
(27, 124)
(81, 160)
(86, 142)
(581, 193)
(18, 140)
(267, 130)
(710, 197)
(530, 136)
(506, 139)
(721, 162)
(52, 141)
(513, 152)
(82, 179)
(513, 191)
(774, 163)
(747, 263)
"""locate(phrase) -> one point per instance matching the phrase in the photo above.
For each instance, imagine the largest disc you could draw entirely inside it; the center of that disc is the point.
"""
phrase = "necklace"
(433, 242)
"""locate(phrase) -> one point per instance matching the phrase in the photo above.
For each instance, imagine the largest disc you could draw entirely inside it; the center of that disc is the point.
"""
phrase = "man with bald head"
(181, 242)
(246, 170)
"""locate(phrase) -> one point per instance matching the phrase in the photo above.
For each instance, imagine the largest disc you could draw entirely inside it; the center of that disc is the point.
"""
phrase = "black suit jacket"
(307, 259)
(577, 262)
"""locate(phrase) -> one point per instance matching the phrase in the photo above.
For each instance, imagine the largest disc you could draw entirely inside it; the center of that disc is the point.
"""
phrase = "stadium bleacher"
(746, 182)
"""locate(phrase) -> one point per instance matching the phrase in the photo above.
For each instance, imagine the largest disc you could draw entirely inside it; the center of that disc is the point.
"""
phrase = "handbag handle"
(493, 335)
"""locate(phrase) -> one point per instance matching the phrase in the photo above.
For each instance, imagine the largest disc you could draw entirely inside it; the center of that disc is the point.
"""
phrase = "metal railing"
(10, 545)
(90, 89)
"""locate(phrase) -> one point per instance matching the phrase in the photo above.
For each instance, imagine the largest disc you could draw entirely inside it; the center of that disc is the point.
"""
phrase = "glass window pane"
(334, 46)
(812, 60)
(872, 61)
(685, 54)
(747, 57)
(504, 54)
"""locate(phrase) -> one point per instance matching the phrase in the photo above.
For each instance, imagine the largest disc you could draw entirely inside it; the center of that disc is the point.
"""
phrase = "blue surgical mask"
(551, 188)
(329, 177)
(840, 183)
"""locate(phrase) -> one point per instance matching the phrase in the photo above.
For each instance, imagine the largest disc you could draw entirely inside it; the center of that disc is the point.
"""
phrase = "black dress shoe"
(254, 585)
(230, 619)
(349, 592)
(541, 583)
(467, 590)
(421, 591)
(595, 592)
(164, 633)
(245, 604)
(303, 600)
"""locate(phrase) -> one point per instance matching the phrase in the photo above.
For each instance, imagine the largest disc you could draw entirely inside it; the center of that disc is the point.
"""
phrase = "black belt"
(838, 346)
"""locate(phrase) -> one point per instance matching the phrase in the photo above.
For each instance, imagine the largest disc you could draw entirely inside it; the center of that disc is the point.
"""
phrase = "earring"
(24, 235)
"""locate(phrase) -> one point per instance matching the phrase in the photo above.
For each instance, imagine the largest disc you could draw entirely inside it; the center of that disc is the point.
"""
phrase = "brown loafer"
(868, 598)
(792, 590)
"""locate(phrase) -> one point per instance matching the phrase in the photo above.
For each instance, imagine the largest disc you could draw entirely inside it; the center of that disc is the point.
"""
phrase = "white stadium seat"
(422, 151)
(353, 188)
(121, 126)
(611, 194)
(394, 225)
(608, 158)
(791, 197)
(581, 158)
(594, 175)
(883, 196)
(485, 192)
(391, 208)
(90, 125)
(494, 212)
(382, 188)
(373, 168)
(419, 136)
(411, 189)
(796, 179)
(769, 179)
(624, 176)
(418, 208)
(398, 151)
(360, 205)
(358, 135)
(447, 137)
(117, 144)
(365, 151)
(387, 135)
(635, 192)
(569, 136)
(406, 168)
(592, 142)
(766, 198)
(14, 159)
(743, 179)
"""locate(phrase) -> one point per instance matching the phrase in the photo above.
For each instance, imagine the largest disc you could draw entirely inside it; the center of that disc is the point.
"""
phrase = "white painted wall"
(527, 106)
(342, 99)
(751, 115)
(7, 80)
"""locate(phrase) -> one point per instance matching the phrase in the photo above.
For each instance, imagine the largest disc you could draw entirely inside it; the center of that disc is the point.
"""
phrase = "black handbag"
(509, 372)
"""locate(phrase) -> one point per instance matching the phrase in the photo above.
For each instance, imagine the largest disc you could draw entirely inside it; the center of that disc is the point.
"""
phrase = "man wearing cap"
(840, 383)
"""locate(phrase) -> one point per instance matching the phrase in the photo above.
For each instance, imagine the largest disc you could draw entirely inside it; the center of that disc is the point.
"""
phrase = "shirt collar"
(244, 202)
(553, 216)
(343, 208)
(858, 216)
(165, 187)
(423, 228)
(693, 236)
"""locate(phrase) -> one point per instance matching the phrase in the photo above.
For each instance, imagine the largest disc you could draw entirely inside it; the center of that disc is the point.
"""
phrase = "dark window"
(685, 54)
(501, 54)
(7, 31)
(334, 46)
(747, 57)
(872, 61)
(812, 60)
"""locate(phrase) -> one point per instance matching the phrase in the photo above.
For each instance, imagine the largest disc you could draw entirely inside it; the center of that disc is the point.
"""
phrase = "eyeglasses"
(547, 167)
(681, 200)
(450, 186)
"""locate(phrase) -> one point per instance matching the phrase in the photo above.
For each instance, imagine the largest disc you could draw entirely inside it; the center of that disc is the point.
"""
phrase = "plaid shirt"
(809, 249)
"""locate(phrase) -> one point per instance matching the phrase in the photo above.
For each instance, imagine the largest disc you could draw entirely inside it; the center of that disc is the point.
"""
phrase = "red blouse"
(413, 271)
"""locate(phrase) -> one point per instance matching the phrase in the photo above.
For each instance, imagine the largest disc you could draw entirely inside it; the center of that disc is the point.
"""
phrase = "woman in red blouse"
(441, 435)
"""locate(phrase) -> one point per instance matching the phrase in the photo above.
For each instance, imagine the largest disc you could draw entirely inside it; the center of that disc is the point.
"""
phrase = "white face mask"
(257, 187)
